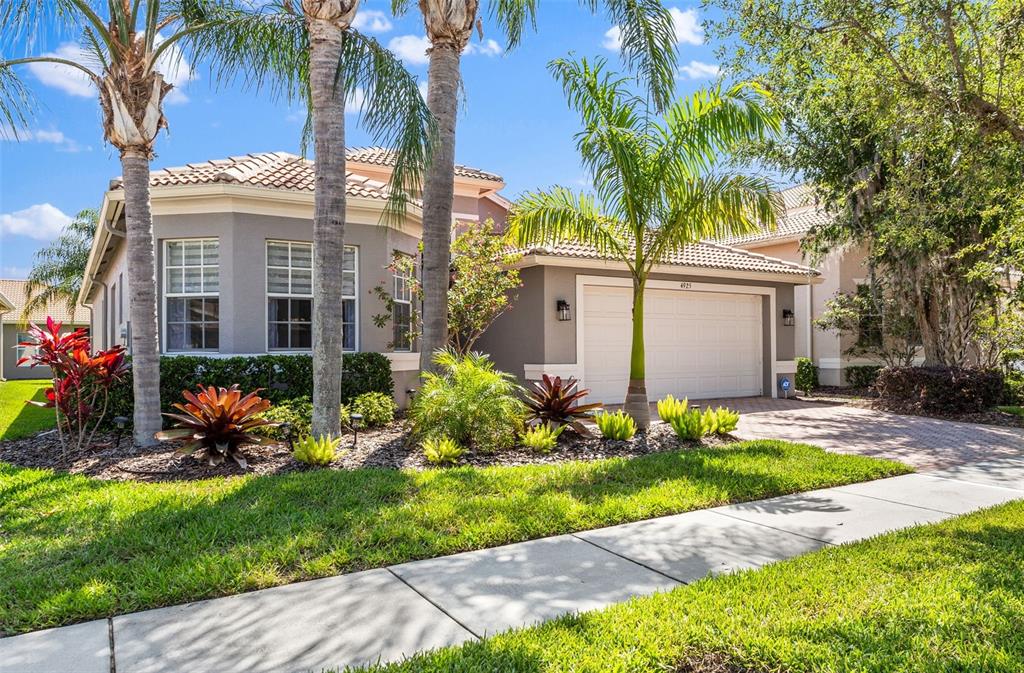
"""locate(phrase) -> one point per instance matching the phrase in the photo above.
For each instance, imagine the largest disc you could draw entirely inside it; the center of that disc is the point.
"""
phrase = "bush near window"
(297, 414)
(281, 377)
(376, 409)
(469, 401)
(862, 376)
(806, 375)
(940, 389)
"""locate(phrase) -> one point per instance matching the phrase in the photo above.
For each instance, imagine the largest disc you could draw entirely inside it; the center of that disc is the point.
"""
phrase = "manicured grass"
(942, 598)
(18, 419)
(1017, 411)
(73, 548)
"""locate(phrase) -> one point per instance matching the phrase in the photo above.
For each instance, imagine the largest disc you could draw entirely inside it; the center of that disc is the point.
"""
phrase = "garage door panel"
(697, 344)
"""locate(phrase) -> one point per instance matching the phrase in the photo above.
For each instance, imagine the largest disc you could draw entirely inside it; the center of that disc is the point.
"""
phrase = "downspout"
(2, 313)
(106, 309)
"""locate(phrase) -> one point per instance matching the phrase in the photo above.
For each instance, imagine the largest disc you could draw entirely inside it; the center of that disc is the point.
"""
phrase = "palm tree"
(59, 267)
(313, 54)
(648, 47)
(659, 184)
(121, 56)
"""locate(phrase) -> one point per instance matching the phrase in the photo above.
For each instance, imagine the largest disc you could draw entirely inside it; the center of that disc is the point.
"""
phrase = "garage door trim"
(618, 281)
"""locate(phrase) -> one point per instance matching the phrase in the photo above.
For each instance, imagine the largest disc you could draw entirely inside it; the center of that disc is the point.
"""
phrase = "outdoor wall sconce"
(564, 310)
(788, 319)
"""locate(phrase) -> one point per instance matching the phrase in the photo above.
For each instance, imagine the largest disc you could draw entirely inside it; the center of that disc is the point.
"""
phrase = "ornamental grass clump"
(469, 401)
(316, 450)
(218, 421)
(543, 437)
(619, 425)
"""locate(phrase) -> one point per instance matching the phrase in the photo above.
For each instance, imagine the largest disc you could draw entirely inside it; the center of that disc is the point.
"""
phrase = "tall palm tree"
(313, 54)
(58, 268)
(121, 56)
(648, 47)
(660, 184)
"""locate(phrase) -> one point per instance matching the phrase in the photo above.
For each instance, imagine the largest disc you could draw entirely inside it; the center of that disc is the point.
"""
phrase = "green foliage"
(941, 390)
(18, 419)
(619, 425)
(376, 408)
(726, 420)
(878, 320)
(692, 424)
(542, 437)
(59, 267)
(469, 401)
(670, 407)
(316, 450)
(1013, 388)
(555, 401)
(441, 450)
(297, 414)
(279, 377)
(862, 376)
(806, 375)
(688, 424)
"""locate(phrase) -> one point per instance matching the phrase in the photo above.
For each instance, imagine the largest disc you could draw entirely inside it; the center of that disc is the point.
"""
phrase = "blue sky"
(514, 120)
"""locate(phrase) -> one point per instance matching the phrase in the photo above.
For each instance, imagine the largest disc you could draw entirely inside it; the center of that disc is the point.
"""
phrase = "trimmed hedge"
(1013, 389)
(806, 375)
(282, 377)
(943, 390)
(862, 376)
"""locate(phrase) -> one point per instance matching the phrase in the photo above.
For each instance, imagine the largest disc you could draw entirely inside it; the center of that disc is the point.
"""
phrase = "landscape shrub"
(1013, 388)
(619, 425)
(806, 375)
(726, 420)
(469, 401)
(688, 424)
(943, 390)
(670, 407)
(862, 376)
(316, 451)
(297, 413)
(692, 424)
(280, 377)
(376, 409)
(543, 437)
(441, 451)
(555, 401)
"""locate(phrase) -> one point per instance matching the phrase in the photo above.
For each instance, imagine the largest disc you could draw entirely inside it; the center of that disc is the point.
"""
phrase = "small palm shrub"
(688, 424)
(619, 425)
(376, 408)
(670, 407)
(218, 421)
(542, 437)
(441, 450)
(555, 401)
(297, 413)
(469, 401)
(316, 450)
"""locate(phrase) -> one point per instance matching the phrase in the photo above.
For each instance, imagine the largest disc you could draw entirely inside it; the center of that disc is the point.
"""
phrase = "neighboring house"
(13, 328)
(841, 271)
(233, 248)
(714, 322)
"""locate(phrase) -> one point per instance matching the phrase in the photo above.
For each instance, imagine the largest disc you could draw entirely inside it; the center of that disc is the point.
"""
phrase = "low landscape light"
(121, 422)
(355, 420)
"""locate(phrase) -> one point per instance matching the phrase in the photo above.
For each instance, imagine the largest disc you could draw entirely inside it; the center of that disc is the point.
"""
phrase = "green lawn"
(18, 419)
(937, 599)
(1017, 411)
(74, 548)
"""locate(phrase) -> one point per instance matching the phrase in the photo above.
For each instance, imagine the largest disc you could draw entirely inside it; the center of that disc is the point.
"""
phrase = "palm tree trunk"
(141, 264)
(328, 102)
(438, 191)
(637, 404)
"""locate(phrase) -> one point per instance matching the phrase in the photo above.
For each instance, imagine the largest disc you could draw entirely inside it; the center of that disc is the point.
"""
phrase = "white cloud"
(411, 48)
(48, 136)
(487, 48)
(686, 23)
(699, 70)
(42, 222)
(355, 102)
(372, 21)
(74, 82)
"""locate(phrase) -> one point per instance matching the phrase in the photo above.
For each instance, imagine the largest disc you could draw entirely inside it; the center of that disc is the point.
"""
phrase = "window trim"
(267, 295)
(165, 295)
(22, 351)
(395, 277)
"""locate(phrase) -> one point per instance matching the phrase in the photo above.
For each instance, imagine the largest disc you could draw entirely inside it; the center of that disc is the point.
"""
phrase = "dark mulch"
(993, 417)
(388, 447)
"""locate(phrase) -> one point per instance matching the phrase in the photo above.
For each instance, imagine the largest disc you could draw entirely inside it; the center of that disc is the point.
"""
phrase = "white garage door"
(699, 344)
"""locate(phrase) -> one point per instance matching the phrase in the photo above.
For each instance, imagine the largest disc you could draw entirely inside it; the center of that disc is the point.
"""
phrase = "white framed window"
(23, 351)
(192, 295)
(401, 317)
(290, 296)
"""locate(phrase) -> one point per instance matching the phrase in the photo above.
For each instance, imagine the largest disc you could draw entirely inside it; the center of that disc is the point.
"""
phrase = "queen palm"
(647, 46)
(59, 267)
(311, 53)
(660, 184)
(121, 55)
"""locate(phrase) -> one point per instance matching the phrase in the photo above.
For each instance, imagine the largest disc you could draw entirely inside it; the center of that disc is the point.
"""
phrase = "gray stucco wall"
(10, 355)
(530, 332)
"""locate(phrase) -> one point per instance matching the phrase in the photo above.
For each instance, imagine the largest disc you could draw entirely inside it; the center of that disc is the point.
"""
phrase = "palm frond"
(561, 215)
(648, 45)
(513, 17)
(58, 268)
(16, 103)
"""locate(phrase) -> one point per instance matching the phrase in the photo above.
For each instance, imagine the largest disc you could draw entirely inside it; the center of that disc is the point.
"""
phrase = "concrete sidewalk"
(387, 614)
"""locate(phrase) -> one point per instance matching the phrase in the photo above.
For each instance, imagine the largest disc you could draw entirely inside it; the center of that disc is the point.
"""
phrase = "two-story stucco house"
(234, 278)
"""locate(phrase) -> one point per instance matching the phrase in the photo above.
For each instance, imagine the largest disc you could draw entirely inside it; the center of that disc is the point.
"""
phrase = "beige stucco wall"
(531, 334)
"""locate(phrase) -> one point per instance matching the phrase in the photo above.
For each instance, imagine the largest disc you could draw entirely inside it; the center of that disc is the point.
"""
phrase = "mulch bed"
(993, 417)
(389, 447)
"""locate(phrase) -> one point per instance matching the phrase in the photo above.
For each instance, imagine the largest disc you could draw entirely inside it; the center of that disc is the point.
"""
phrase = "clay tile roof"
(14, 291)
(802, 213)
(382, 156)
(703, 255)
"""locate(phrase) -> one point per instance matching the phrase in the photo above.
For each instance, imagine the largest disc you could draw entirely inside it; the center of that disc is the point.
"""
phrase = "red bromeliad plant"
(81, 382)
(552, 401)
(219, 421)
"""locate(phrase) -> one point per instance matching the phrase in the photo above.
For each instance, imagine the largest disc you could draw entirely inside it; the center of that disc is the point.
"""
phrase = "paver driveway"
(925, 443)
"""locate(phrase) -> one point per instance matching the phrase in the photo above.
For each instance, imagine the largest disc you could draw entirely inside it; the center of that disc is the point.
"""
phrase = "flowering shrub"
(81, 382)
